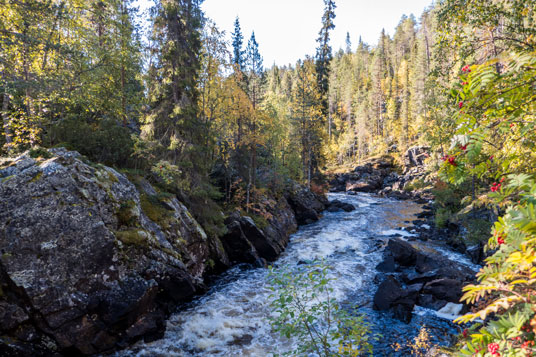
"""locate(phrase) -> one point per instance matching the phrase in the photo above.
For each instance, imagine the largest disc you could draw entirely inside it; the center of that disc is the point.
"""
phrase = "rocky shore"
(410, 274)
(91, 261)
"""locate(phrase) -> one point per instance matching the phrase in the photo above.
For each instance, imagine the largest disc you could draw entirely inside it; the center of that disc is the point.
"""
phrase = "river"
(230, 320)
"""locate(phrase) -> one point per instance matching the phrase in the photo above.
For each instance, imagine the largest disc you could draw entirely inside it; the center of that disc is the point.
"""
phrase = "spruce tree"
(238, 39)
(324, 53)
(254, 75)
(173, 125)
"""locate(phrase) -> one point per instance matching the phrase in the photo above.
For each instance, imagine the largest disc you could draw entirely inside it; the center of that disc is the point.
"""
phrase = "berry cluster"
(450, 159)
(497, 186)
(466, 69)
(493, 348)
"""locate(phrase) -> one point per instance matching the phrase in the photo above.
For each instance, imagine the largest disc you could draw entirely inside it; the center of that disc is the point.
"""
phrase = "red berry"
(460, 105)
(493, 348)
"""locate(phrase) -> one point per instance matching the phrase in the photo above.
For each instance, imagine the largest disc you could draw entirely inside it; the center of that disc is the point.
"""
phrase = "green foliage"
(507, 284)
(442, 216)
(495, 142)
(307, 312)
(66, 59)
(39, 152)
(104, 141)
(478, 230)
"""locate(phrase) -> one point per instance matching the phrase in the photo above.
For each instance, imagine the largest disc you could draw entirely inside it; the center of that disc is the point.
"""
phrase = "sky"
(286, 30)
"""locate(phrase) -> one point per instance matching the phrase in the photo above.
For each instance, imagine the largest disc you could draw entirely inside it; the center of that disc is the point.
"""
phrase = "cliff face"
(91, 262)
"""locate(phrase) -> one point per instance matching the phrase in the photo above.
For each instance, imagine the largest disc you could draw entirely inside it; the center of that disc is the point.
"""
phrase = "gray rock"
(88, 263)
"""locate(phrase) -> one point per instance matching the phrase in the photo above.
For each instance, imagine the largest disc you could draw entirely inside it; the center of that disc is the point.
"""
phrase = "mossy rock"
(137, 237)
(156, 210)
(36, 177)
(128, 214)
(415, 185)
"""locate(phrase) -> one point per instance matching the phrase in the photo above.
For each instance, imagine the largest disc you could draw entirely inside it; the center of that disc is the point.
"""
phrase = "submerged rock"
(338, 206)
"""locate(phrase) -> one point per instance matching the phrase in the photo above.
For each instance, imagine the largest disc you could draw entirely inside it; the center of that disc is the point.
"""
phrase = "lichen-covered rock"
(87, 262)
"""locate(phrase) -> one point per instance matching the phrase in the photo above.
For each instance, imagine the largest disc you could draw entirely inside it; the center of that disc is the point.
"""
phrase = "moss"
(112, 177)
(36, 177)
(259, 220)
(134, 237)
(171, 252)
(211, 264)
(39, 152)
(156, 210)
(5, 179)
(127, 214)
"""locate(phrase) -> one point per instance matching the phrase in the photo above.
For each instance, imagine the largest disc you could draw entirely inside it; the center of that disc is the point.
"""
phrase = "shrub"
(506, 291)
(306, 310)
(103, 141)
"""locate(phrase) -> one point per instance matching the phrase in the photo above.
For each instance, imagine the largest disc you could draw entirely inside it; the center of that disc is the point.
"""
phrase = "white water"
(231, 320)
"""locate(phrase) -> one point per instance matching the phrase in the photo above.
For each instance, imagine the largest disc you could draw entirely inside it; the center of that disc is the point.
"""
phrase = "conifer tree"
(306, 115)
(173, 125)
(254, 76)
(348, 43)
(324, 52)
(237, 42)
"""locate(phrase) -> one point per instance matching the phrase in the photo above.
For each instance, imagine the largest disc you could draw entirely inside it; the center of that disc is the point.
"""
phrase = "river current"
(231, 318)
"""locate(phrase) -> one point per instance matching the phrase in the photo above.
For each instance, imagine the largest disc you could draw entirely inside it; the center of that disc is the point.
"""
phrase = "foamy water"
(231, 319)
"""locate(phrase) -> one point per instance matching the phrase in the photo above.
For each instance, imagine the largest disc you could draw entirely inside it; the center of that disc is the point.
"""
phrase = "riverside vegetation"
(216, 159)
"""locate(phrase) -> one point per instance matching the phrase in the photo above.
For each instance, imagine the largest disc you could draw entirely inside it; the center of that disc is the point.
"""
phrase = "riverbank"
(93, 259)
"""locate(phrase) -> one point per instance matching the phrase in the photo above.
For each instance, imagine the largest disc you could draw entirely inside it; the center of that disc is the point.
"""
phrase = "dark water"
(230, 320)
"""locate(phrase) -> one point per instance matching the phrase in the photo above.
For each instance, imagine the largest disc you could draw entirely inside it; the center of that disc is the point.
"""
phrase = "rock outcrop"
(411, 276)
(382, 176)
(306, 204)
(90, 262)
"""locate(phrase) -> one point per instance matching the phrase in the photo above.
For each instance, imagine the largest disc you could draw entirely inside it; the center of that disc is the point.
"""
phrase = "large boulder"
(306, 204)
(403, 252)
(88, 262)
(392, 296)
(245, 242)
(445, 289)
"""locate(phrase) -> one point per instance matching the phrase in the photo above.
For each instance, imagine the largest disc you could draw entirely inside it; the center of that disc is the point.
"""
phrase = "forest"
(206, 120)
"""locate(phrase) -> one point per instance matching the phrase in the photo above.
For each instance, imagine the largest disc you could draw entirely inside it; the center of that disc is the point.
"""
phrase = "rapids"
(230, 320)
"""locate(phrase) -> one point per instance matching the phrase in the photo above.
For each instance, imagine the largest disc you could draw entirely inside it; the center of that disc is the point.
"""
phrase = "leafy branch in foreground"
(496, 141)
(306, 310)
